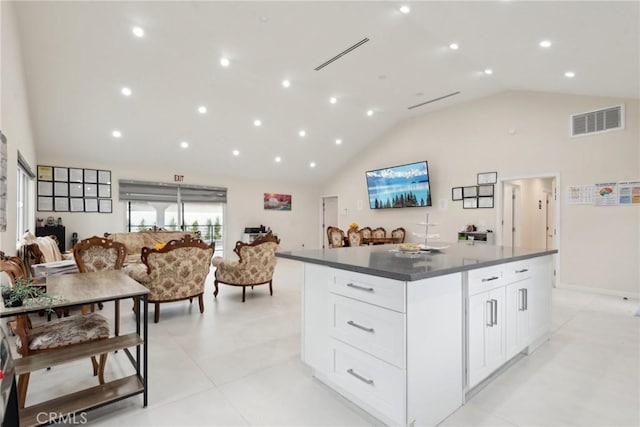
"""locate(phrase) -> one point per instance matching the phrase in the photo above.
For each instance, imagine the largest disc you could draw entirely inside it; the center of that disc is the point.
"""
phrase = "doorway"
(528, 213)
(329, 216)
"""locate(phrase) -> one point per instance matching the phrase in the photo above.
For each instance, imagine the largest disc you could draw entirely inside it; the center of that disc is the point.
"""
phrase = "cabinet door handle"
(494, 316)
(488, 279)
(524, 270)
(489, 314)
(364, 328)
(521, 297)
(362, 288)
(526, 299)
(360, 377)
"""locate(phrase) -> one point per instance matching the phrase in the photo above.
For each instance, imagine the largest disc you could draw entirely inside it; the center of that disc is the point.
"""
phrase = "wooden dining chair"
(53, 335)
(355, 237)
(100, 254)
(335, 237)
(398, 235)
(366, 232)
(379, 233)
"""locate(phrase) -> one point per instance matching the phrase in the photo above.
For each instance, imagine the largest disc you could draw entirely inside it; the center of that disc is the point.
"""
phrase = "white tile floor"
(239, 364)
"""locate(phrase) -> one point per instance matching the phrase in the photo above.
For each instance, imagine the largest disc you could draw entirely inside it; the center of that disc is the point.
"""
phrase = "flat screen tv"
(403, 186)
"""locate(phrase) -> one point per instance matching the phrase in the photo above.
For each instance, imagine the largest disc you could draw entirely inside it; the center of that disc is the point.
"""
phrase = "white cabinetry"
(356, 336)
(486, 323)
(508, 311)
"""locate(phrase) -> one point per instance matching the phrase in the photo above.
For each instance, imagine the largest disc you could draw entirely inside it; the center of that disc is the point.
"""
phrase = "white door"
(511, 215)
(329, 216)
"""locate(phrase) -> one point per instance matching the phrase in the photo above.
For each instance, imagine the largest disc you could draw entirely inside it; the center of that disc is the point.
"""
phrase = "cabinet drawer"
(376, 383)
(519, 270)
(380, 291)
(376, 330)
(485, 279)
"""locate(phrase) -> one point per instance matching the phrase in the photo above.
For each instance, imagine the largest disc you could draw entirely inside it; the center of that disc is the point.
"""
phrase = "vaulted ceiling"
(79, 56)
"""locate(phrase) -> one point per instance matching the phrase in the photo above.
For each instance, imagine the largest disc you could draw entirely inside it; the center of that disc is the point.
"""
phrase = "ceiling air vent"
(598, 121)
(341, 54)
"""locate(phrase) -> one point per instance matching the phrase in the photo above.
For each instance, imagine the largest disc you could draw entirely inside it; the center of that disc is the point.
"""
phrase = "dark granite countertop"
(381, 261)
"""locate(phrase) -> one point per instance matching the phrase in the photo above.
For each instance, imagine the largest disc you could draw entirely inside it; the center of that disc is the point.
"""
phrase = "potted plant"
(14, 296)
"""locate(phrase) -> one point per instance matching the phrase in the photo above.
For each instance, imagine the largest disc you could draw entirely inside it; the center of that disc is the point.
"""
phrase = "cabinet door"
(517, 317)
(486, 345)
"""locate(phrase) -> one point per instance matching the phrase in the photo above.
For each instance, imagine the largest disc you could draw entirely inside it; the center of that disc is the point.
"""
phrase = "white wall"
(244, 205)
(14, 117)
(600, 245)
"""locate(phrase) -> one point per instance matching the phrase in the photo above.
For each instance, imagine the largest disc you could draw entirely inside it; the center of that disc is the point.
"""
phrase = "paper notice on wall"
(629, 193)
(606, 194)
(580, 194)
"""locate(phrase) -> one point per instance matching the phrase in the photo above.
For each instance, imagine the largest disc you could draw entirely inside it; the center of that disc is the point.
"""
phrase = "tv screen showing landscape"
(403, 186)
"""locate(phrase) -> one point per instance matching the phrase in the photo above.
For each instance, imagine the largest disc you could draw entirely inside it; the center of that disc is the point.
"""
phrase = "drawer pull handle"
(360, 377)
(524, 270)
(488, 279)
(364, 328)
(362, 288)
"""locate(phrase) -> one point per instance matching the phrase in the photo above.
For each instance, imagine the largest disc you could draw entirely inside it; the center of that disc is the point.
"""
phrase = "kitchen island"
(406, 336)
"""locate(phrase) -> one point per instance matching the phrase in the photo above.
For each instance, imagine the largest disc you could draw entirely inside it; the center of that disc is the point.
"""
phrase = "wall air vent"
(433, 100)
(599, 121)
(341, 54)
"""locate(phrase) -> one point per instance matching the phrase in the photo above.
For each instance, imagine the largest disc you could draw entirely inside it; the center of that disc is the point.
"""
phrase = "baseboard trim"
(600, 291)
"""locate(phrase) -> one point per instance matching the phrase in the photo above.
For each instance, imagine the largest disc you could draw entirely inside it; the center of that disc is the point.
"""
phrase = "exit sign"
(178, 178)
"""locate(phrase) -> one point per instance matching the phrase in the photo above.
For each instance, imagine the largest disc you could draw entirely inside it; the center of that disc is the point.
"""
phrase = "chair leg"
(96, 365)
(201, 302)
(270, 287)
(156, 314)
(117, 314)
(23, 384)
(215, 292)
(103, 363)
(243, 289)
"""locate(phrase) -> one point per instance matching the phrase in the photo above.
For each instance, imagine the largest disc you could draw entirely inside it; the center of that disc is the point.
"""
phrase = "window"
(176, 207)
(25, 218)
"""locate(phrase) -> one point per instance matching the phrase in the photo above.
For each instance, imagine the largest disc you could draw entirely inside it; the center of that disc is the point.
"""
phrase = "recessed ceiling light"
(224, 62)
(202, 109)
(116, 134)
(405, 9)
(488, 71)
(286, 83)
(236, 153)
(454, 46)
(184, 144)
(370, 113)
(333, 100)
(125, 91)
(137, 31)
(257, 123)
(302, 133)
(545, 43)
(338, 141)
(570, 74)
(278, 159)
(312, 164)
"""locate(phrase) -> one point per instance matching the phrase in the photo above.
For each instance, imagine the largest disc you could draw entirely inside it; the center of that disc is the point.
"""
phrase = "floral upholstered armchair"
(174, 272)
(255, 266)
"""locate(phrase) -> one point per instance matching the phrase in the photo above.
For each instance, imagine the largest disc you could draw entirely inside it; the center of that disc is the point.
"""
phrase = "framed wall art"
(470, 191)
(485, 190)
(62, 189)
(488, 178)
(470, 203)
(456, 193)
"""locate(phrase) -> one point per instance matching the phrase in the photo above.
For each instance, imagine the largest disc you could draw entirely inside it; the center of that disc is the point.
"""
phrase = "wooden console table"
(86, 288)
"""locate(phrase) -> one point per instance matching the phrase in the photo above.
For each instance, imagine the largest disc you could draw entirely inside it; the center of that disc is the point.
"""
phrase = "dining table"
(76, 289)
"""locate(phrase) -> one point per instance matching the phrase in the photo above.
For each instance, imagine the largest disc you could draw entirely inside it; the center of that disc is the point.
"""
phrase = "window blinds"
(142, 191)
